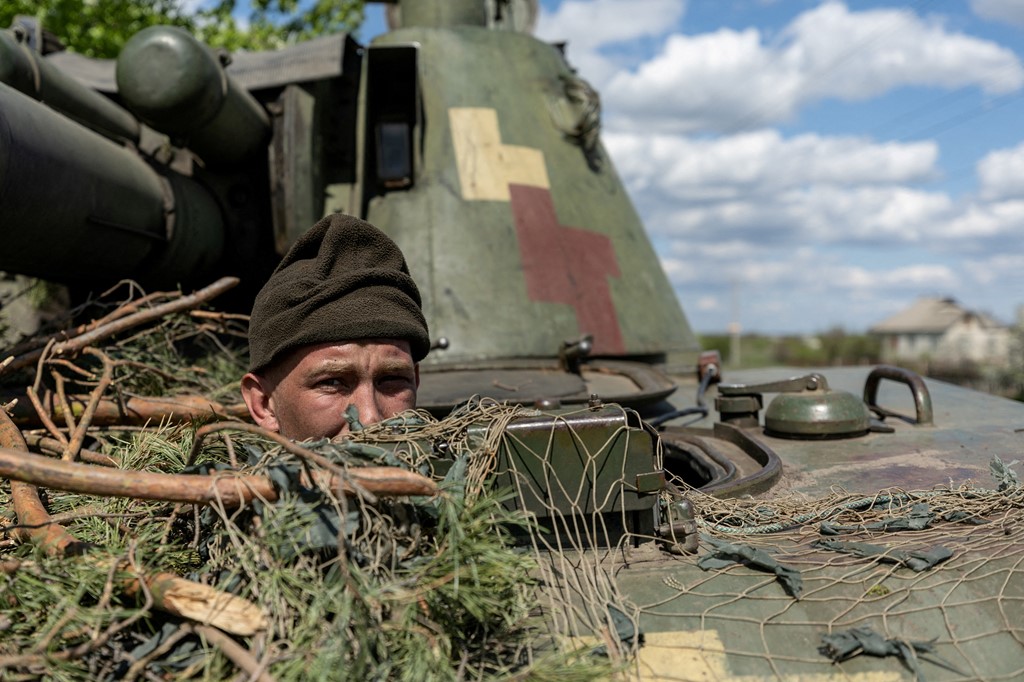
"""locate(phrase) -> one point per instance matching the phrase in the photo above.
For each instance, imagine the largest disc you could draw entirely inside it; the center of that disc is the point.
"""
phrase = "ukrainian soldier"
(338, 323)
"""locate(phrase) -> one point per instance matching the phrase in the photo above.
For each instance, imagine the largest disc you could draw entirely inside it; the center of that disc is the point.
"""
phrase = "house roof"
(930, 316)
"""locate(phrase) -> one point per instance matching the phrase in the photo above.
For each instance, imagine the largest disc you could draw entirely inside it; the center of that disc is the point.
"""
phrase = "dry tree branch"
(27, 505)
(72, 367)
(170, 593)
(232, 490)
(121, 324)
(219, 316)
(52, 446)
(135, 410)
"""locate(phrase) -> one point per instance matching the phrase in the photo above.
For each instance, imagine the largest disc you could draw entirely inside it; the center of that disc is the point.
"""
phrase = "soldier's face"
(305, 394)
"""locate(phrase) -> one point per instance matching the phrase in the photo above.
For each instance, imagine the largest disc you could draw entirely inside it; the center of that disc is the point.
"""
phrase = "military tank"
(477, 148)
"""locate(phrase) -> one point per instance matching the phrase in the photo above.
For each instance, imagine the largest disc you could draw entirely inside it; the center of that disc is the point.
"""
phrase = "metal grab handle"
(809, 382)
(922, 399)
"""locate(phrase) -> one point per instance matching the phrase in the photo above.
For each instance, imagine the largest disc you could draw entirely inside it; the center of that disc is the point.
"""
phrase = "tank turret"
(473, 144)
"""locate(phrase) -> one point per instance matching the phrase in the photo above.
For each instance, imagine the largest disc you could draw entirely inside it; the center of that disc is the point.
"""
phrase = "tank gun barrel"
(78, 206)
(178, 85)
(24, 70)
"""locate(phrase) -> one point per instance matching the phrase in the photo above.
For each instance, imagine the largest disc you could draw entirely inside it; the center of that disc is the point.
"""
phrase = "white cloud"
(763, 163)
(995, 269)
(732, 80)
(799, 190)
(1010, 11)
(707, 303)
(802, 289)
(589, 25)
(1000, 219)
(1001, 174)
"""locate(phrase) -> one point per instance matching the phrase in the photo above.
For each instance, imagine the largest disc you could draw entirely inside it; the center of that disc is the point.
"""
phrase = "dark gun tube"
(177, 85)
(29, 73)
(75, 206)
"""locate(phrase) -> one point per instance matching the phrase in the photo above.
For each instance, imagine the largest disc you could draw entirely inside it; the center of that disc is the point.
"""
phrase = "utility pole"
(734, 326)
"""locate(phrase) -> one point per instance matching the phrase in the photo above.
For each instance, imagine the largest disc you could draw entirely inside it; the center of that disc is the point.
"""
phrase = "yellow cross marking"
(696, 656)
(699, 656)
(486, 166)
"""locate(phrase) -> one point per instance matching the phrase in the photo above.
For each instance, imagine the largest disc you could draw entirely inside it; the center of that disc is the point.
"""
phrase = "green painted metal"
(76, 204)
(596, 450)
(465, 254)
(475, 146)
(449, 13)
(178, 85)
(969, 428)
(804, 408)
(27, 72)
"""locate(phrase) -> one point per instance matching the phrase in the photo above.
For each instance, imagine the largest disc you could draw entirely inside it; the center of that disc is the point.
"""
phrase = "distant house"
(941, 330)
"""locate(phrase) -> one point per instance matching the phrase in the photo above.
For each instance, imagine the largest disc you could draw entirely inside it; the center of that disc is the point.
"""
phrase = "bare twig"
(286, 444)
(125, 308)
(238, 654)
(219, 316)
(62, 399)
(117, 326)
(27, 505)
(53, 446)
(71, 453)
(39, 364)
(71, 367)
(43, 415)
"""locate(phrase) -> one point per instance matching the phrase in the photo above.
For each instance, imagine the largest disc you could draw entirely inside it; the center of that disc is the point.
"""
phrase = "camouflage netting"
(916, 585)
(339, 566)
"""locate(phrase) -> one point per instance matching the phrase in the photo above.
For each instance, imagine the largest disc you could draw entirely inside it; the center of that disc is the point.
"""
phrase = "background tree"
(99, 28)
(274, 23)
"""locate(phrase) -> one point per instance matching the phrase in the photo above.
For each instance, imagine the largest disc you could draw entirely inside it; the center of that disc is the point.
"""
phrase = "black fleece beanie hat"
(343, 280)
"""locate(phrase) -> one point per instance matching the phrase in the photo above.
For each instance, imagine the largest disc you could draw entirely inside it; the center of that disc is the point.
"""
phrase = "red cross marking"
(567, 265)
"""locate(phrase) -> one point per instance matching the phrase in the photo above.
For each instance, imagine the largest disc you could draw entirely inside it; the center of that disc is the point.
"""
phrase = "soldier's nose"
(365, 401)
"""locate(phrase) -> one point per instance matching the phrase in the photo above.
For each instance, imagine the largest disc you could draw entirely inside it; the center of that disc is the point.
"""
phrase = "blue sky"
(802, 164)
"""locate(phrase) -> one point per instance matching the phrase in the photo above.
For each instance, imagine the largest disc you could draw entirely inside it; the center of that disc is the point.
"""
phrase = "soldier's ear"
(416, 368)
(256, 395)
